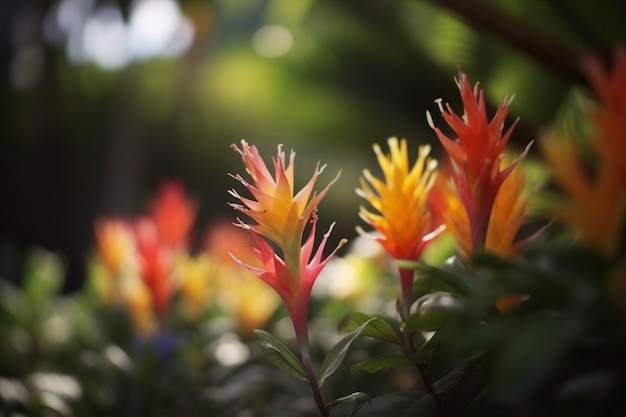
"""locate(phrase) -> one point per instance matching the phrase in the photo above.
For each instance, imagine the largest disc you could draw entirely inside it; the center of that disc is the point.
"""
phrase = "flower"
(404, 222)
(509, 212)
(493, 214)
(155, 265)
(173, 214)
(115, 244)
(242, 295)
(280, 215)
(595, 199)
(281, 218)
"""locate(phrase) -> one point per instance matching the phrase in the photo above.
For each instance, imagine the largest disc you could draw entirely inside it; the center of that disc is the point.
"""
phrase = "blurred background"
(104, 100)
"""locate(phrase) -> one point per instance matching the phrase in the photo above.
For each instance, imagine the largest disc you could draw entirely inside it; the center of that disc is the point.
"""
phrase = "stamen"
(439, 102)
(429, 120)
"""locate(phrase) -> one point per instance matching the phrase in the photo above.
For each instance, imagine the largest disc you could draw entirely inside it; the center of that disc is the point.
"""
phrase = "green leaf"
(380, 362)
(350, 402)
(433, 310)
(396, 404)
(280, 355)
(453, 274)
(378, 329)
(338, 352)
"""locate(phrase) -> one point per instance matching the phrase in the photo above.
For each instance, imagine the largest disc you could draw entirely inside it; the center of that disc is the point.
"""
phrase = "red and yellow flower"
(281, 217)
(403, 220)
(485, 206)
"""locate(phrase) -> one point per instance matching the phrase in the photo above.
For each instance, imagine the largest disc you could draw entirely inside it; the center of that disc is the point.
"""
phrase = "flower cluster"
(486, 203)
(138, 259)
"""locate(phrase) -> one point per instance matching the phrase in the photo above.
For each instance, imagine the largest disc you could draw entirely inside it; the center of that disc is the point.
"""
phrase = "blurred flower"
(117, 258)
(193, 277)
(140, 260)
(173, 214)
(115, 244)
(248, 300)
(140, 306)
(404, 224)
(155, 265)
(493, 213)
(595, 201)
(609, 86)
(281, 217)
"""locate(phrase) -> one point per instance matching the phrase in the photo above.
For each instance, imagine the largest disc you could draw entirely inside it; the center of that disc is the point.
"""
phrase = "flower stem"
(406, 283)
(312, 379)
(406, 280)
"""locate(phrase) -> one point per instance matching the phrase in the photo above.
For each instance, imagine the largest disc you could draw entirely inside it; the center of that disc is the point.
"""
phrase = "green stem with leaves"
(406, 278)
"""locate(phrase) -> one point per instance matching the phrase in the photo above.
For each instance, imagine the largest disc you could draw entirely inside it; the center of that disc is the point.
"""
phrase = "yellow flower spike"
(404, 219)
(404, 223)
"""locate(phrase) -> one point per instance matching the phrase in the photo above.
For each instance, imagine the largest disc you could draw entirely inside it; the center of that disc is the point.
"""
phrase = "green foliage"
(382, 362)
(280, 355)
(377, 327)
(401, 404)
(338, 352)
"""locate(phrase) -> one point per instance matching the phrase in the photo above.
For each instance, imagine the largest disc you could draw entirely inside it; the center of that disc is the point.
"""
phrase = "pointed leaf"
(350, 403)
(280, 355)
(378, 329)
(381, 362)
(338, 352)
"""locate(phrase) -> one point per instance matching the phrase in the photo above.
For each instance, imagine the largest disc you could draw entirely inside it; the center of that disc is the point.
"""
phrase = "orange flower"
(281, 217)
(596, 201)
(173, 214)
(405, 222)
(594, 205)
(115, 244)
(476, 156)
